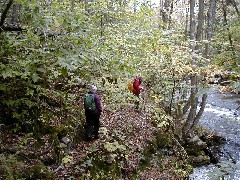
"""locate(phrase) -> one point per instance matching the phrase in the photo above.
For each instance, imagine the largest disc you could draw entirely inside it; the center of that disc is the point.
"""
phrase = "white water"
(221, 116)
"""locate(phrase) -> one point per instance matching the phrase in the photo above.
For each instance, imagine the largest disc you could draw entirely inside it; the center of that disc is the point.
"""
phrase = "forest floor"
(127, 127)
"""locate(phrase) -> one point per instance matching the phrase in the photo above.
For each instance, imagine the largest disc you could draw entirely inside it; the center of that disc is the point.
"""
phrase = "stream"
(222, 116)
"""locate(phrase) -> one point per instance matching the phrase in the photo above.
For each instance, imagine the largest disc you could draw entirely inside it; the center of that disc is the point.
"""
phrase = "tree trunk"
(236, 7)
(135, 6)
(200, 25)
(210, 22)
(72, 5)
(192, 22)
(199, 114)
(15, 20)
(193, 109)
(193, 116)
(166, 11)
(227, 26)
(186, 23)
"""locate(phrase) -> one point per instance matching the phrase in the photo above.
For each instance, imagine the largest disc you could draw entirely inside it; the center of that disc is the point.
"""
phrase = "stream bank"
(222, 117)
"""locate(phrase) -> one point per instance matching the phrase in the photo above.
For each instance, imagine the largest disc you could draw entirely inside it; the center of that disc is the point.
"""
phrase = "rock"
(63, 145)
(65, 140)
(199, 160)
(196, 141)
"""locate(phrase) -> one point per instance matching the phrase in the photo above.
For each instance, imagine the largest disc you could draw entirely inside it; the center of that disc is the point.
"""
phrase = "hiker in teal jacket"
(93, 116)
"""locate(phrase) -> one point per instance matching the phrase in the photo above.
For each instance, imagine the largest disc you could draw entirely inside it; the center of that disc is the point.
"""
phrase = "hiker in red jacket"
(137, 90)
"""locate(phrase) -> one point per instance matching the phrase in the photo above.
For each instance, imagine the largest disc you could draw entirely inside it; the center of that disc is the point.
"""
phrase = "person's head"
(140, 79)
(93, 88)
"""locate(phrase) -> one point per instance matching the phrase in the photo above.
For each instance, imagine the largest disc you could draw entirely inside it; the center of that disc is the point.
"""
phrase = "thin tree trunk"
(235, 6)
(210, 22)
(135, 6)
(173, 93)
(186, 24)
(227, 26)
(200, 24)
(166, 12)
(199, 114)
(193, 116)
(193, 109)
(189, 124)
(192, 22)
(72, 5)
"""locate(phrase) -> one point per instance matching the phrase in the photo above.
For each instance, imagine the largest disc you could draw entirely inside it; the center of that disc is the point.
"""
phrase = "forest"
(52, 50)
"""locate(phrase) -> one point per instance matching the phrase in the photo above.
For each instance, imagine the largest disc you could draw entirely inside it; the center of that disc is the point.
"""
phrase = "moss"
(163, 140)
(101, 169)
(38, 171)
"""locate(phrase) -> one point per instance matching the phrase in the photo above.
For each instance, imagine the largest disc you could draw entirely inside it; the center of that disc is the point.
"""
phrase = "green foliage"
(38, 172)
(224, 54)
(107, 159)
(10, 167)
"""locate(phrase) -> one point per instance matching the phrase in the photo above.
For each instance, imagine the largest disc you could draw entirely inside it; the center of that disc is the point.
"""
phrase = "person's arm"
(98, 104)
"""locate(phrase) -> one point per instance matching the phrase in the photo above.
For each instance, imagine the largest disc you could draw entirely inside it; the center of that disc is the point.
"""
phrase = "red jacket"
(136, 86)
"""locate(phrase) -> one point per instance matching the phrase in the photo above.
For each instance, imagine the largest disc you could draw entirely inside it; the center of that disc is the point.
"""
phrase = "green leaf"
(111, 147)
(67, 159)
(35, 77)
(41, 70)
(64, 71)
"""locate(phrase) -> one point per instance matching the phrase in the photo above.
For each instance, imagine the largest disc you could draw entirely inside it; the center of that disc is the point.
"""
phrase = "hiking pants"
(92, 124)
(137, 101)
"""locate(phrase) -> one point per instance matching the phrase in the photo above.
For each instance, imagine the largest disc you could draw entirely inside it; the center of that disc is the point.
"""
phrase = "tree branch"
(235, 6)
(186, 107)
(4, 14)
(10, 29)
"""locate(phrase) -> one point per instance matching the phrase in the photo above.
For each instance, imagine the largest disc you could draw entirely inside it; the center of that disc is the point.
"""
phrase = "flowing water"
(222, 116)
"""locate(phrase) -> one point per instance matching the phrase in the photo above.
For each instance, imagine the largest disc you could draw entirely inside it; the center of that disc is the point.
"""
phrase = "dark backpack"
(89, 102)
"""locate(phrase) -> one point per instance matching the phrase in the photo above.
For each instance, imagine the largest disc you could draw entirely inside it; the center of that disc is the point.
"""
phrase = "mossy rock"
(194, 151)
(200, 160)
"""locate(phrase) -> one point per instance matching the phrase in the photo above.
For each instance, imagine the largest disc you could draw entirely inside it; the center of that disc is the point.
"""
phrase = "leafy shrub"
(10, 167)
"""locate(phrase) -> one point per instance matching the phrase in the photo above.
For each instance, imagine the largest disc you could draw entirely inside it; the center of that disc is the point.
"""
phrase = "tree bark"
(200, 24)
(15, 21)
(193, 109)
(166, 11)
(236, 7)
(192, 100)
(193, 117)
(199, 114)
(186, 23)
(72, 5)
(227, 26)
(192, 22)
(210, 23)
